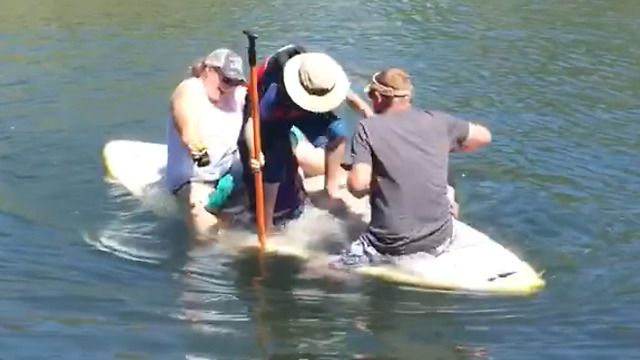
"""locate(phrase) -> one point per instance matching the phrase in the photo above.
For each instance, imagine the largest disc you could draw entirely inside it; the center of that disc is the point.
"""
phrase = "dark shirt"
(409, 155)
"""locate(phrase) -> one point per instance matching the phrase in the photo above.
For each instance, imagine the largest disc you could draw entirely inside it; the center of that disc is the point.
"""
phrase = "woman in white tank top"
(202, 134)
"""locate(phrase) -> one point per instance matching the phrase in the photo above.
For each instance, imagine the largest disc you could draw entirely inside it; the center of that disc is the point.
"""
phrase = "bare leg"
(310, 159)
(192, 198)
(334, 173)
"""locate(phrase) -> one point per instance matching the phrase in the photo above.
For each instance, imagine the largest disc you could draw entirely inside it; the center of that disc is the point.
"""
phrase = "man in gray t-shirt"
(400, 158)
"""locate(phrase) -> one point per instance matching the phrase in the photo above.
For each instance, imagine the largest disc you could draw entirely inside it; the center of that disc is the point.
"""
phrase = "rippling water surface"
(87, 272)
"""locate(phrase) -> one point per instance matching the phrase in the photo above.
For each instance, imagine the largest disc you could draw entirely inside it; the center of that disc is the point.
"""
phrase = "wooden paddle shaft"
(257, 145)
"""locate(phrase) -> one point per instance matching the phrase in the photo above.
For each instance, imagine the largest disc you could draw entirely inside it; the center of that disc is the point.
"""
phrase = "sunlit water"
(557, 82)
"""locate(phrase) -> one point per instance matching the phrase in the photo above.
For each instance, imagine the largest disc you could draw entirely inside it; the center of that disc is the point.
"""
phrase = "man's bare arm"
(359, 180)
(478, 136)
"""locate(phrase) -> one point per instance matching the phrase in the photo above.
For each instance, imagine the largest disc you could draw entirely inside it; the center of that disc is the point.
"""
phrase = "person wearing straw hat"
(318, 135)
(298, 93)
(410, 213)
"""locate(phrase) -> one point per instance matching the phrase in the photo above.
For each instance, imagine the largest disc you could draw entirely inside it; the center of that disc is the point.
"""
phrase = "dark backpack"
(275, 65)
(272, 72)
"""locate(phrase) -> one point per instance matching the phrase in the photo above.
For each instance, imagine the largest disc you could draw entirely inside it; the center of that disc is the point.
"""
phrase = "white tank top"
(218, 128)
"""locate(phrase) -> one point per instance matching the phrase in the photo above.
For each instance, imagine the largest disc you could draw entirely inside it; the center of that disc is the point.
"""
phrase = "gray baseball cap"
(227, 61)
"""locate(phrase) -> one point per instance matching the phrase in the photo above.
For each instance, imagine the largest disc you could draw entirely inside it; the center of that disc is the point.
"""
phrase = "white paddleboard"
(474, 263)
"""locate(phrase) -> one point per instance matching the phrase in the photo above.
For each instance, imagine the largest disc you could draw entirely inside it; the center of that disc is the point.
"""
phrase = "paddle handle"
(257, 145)
(251, 37)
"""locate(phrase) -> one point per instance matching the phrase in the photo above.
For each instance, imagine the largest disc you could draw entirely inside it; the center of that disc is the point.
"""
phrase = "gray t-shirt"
(409, 154)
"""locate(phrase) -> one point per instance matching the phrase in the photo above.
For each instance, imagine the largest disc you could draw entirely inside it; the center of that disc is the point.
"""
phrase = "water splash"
(137, 227)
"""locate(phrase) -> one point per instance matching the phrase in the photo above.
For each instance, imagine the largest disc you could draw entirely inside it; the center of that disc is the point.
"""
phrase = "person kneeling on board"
(302, 90)
(452, 194)
(399, 157)
(203, 163)
(319, 135)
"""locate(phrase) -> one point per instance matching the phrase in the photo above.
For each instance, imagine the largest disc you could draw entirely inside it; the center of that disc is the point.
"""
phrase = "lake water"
(558, 84)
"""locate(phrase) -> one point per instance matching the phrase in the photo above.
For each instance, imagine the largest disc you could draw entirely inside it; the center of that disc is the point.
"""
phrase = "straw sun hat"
(315, 82)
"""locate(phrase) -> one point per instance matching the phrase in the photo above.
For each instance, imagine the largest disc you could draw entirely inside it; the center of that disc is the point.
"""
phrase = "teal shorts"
(296, 136)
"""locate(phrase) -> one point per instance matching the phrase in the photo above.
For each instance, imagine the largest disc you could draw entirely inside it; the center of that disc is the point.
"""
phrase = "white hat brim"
(309, 102)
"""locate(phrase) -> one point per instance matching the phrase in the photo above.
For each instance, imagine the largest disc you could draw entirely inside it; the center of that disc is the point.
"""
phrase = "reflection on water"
(284, 317)
(262, 300)
(557, 82)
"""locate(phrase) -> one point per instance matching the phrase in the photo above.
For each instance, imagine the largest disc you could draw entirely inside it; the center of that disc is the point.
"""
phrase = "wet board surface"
(473, 263)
